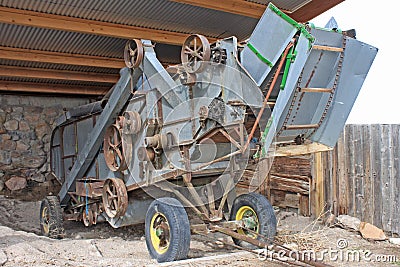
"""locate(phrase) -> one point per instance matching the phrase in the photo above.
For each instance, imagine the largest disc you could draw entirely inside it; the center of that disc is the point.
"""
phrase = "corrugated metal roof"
(42, 65)
(154, 14)
(60, 41)
(72, 42)
(289, 5)
(58, 82)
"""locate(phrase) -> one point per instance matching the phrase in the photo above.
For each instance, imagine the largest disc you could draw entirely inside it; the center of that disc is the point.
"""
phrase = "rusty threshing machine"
(166, 142)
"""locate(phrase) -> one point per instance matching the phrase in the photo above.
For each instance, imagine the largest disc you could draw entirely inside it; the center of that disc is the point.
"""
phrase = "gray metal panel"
(69, 139)
(357, 62)
(269, 38)
(159, 78)
(84, 127)
(56, 163)
(104, 171)
(320, 72)
(283, 101)
(117, 100)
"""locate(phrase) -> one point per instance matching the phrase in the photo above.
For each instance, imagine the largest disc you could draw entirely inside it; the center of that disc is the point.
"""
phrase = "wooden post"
(318, 185)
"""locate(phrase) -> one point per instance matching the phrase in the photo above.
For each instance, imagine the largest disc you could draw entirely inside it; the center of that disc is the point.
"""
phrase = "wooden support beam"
(52, 88)
(318, 185)
(65, 23)
(59, 58)
(313, 9)
(327, 48)
(239, 7)
(9, 71)
(315, 90)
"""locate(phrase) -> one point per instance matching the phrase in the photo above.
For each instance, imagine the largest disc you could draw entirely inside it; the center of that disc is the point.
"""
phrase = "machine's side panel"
(358, 59)
(266, 44)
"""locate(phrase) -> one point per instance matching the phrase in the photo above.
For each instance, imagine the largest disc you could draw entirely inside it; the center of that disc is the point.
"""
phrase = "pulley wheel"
(133, 53)
(195, 53)
(113, 149)
(115, 197)
(132, 122)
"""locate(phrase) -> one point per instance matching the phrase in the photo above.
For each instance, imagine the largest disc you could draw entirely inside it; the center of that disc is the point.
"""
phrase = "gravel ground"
(101, 245)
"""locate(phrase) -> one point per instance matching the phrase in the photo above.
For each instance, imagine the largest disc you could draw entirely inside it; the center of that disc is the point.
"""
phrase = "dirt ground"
(101, 245)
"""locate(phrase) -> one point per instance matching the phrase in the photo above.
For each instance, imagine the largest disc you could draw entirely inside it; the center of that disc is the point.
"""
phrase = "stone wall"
(26, 123)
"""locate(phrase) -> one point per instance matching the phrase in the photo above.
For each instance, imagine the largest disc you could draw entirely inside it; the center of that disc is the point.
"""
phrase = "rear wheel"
(167, 230)
(51, 220)
(257, 216)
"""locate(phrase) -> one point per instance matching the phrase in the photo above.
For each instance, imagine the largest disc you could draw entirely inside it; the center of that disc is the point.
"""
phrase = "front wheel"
(257, 216)
(51, 218)
(167, 230)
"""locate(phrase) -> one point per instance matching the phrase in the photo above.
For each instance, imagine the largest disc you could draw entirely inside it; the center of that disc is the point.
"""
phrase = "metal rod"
(265, 103)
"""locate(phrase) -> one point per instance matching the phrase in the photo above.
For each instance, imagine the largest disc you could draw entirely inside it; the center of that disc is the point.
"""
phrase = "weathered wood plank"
(291, 185)
(394, 177)
(304, 205)
(351, 169)
(396, 185)
(342, 176)
(318, 178)
(359, 171)
(385, 176)
(376, 173)
(368, 196)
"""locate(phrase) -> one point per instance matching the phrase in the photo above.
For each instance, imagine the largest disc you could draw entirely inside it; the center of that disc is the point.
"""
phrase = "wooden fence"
(361, 177)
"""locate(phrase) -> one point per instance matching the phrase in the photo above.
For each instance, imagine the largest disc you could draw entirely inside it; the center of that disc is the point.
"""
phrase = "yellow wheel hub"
(250, 220)
(159, 233)
(45, 220)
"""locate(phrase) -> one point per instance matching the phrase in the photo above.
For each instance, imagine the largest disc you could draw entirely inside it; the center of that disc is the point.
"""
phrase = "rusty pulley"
(133, 53)
(132, 123)
(195, 54)
(115, 197)
(114, 151)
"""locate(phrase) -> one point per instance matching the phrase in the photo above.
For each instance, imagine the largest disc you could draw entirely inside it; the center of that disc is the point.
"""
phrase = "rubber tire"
(265, 214)
(179, 225)
(56, 225)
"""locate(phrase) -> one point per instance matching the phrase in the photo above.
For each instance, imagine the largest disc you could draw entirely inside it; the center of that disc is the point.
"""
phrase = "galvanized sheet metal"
(269, 39)
(42, 65)
(289, 5)
(54, 82)
(155, 14)
(60, 41)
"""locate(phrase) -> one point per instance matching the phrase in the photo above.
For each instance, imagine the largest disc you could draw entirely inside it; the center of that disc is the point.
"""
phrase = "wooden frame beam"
(11, 71)
(313, 9)
(65, 23)
(52, 88)
(59, 58)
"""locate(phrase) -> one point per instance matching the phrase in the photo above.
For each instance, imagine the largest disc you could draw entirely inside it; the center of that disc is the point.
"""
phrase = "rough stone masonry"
(26, 123)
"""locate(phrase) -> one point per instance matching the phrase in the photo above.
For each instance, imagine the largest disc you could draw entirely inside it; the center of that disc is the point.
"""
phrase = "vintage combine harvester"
(167, 141)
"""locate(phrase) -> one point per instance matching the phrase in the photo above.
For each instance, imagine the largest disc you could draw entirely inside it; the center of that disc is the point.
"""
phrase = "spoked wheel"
(167, 230)
(115, 197)
(51, 219)
(195, 53)
(257, 216)
(133, 53)
(88, 217)
(113, 149)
